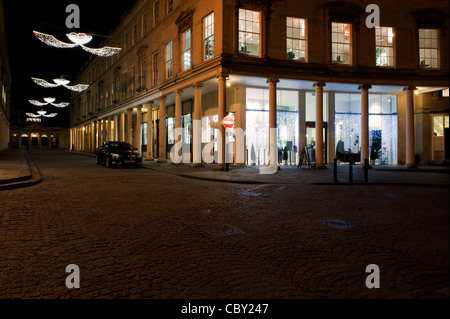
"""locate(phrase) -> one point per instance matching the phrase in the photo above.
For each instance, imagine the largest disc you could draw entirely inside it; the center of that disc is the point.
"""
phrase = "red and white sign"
(228, 122)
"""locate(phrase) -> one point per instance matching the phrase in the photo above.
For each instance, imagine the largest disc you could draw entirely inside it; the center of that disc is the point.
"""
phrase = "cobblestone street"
(144, 233)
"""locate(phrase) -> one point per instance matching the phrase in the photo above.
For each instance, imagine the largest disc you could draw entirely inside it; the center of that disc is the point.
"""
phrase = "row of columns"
(99, 131)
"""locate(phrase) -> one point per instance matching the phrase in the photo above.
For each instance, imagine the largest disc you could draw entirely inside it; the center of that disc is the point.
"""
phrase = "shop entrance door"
(311, 140)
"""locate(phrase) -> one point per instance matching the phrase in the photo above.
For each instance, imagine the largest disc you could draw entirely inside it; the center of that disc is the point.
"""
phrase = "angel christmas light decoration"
(61, 82)
(78, 39)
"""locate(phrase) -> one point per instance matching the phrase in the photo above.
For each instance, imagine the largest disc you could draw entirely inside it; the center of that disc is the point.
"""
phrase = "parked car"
(118, 153)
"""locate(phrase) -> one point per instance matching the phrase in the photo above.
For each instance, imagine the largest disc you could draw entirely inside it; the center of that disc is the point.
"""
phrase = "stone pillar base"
(239, 164)
(411, 165)
(320, 166)
(161, 161)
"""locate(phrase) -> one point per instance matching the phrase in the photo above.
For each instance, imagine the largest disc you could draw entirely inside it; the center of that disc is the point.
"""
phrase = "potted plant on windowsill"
(291, 55)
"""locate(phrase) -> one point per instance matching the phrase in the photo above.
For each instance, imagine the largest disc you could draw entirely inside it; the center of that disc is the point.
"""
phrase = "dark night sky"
(29, 57)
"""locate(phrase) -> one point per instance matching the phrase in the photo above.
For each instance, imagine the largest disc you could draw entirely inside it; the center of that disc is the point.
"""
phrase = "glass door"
(311, 140)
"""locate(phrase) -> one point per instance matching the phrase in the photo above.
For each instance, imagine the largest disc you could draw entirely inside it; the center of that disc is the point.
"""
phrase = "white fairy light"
(61, 82)
(60, 105)
(33, 115)
(79, 39)
(37, 103)
(50, 115)
(41, 113)
(49, 99)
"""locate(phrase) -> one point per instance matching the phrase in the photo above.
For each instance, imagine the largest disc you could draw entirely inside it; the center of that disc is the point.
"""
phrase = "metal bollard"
(350, 169)
(366, 170)
(335, 170)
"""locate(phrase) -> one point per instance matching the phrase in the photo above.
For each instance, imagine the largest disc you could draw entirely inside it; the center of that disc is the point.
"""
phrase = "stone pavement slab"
(17, 170)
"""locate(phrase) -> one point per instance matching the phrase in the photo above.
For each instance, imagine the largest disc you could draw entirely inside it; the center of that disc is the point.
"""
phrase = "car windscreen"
(121, 147)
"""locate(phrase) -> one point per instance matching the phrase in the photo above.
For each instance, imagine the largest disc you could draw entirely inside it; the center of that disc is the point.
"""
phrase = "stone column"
(138, 140)
(222, 112)
(197, 126)
(129, 130)
(319, 124)
(162, 130)
(149, 130)
(93, 145)
(273, 148)
(364, 122)
(122, 127)
(116, 128)
(99, 134)
(178, 125)
(410, 147)
(110, 129)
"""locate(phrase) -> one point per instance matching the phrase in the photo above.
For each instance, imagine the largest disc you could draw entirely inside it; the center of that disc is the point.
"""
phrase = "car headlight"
(115, 156)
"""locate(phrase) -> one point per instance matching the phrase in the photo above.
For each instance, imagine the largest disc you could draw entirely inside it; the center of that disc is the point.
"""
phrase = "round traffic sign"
(228, 122)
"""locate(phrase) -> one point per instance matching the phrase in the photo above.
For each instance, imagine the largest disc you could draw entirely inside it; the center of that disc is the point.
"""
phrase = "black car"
(118, 153)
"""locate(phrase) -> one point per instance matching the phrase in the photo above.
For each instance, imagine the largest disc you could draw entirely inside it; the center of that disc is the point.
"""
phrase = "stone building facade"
(315, 76)
(5, 85)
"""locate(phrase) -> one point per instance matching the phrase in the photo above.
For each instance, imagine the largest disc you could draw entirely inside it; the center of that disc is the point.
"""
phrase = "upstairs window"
(249, 32)
(169, 6)
(384, 41)
(155, 12)
(208, 34)
(296, 40)
(341, 43)
(186, 47)
(429, 48)
(169, 60)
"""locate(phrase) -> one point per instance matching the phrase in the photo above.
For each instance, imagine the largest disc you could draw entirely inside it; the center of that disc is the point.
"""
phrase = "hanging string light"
(61, 82)
(49, 100)
(78, 39)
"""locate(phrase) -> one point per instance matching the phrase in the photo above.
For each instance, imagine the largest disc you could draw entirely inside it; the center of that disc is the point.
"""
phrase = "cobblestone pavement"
(144, 233)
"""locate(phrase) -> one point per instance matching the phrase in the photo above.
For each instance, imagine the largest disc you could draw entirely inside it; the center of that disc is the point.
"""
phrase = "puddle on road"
(221, 230)
(337, 223)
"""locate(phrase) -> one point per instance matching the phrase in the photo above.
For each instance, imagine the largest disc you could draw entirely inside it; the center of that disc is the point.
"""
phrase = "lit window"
(208, 33)
(384, 40)
(296, 39)
(249, 32)
(341, 43)
(429, 48)
(186, 45)
(169, 62)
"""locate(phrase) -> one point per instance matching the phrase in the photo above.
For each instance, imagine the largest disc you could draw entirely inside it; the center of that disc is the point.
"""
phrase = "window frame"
(300, 39)
(438, 48)
(169, 59)
(259, 33)
(350, 44)
(186, 49)
(205, 54)
(393, 46)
